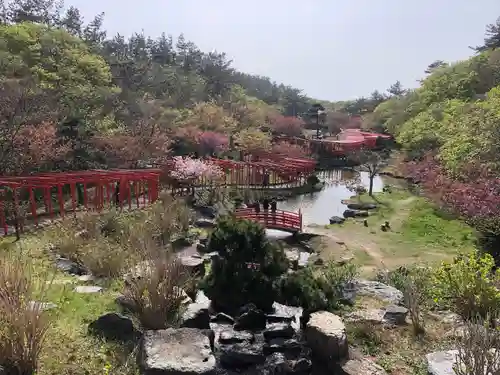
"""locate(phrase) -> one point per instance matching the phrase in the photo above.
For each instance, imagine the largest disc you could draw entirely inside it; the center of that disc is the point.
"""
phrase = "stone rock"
(196, 316)
(280, 345)
(300, 366)
(241, 355)
(253, 319)
(303, 259)
(205, 223)
(202, 299)
(373, 316)
(441, 363)
(88, 289)
(85, 278)
(396, 314)
(286, 314)
(292, 255)
(181, 242)
(125, 303)
(379, 290)
(326, 335)
(278, 330)
(235, 337)
(337, 220)
(41, 306)
(362, 366)
(355, 213)
(211, 337)
(113, 326)
(195, 263)
(68, 266)
(183, 351)
(202, 248)
(361, 206)
(222, 318)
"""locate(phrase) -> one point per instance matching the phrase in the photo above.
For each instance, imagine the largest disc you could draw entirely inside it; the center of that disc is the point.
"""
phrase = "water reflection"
(317, 208)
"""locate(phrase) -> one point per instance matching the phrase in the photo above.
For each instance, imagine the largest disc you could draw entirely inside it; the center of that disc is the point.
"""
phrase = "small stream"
(318, 208)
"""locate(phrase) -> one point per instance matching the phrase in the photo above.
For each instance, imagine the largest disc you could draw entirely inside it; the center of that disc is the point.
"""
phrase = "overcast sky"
(332, 49)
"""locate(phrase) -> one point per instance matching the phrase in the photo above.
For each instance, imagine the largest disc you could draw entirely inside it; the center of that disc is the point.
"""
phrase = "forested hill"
(75, 82)
(449, 130)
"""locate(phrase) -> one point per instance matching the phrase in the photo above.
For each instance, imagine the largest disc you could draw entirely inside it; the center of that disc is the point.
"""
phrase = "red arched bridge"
(281, 220)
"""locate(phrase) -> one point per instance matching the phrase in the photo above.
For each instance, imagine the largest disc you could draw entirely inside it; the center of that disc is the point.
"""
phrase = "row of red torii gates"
(27, 200)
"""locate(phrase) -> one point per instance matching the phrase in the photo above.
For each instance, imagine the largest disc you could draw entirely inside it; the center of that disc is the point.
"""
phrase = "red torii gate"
(139, 182)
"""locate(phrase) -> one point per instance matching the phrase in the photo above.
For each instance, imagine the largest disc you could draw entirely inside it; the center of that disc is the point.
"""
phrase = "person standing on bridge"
(274, 205)
(257, 207)
(265, 204)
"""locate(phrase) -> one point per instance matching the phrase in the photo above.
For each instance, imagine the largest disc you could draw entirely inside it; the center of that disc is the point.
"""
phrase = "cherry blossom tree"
(186, 169)
(287, 125)
(36, 147)
(128, 149)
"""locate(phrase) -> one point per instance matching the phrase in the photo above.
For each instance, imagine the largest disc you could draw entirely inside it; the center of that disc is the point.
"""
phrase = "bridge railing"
(273, 219)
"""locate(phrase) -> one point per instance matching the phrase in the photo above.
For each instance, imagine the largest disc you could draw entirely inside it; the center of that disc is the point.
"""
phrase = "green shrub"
(468, 285)
(316, 289)
(247, 266)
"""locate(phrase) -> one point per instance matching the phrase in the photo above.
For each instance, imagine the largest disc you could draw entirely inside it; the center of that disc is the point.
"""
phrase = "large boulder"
(196, 315)
(441, 363)
(361, 206)
(113, 326)
(183, 351)
(379, 290)
(253, 319)
(362, 366)
(241, 355)
(355, 213)
(326, 335)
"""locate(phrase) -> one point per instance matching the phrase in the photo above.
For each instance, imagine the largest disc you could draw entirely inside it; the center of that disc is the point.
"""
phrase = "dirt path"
(357, 239)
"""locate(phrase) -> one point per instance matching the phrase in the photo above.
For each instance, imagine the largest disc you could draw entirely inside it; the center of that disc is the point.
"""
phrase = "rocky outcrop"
(355, 213)
(362, 366)
(183, 351)
(326, 335)
(378, 290)
(441, 363)
(113, 326)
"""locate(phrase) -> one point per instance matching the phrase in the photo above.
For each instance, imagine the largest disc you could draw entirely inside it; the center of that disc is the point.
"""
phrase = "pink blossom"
(185, 169)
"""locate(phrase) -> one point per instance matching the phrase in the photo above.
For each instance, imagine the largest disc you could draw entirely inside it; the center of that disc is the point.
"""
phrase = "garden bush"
(316, 289)
(468, 285)
(247, 266)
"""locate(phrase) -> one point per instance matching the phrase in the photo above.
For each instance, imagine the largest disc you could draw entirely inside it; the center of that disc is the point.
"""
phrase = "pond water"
(318, 208)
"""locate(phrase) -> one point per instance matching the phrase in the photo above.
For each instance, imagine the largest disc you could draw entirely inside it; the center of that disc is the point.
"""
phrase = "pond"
(318, 208)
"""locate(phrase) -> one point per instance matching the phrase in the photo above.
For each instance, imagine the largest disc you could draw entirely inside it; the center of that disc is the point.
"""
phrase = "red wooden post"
(129, 194)
(33, 205)
(136, 192)
(85, 197)
(72, 187)
(61, 199)
(18, 220)
(48, 197)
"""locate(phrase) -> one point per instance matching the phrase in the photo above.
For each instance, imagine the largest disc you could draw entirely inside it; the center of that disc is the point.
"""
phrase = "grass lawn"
(419, 232)
(69, 349)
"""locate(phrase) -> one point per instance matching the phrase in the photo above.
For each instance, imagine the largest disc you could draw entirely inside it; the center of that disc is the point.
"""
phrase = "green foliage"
(59, 62)
(468, 285)
(247, 268)
(316, 289)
